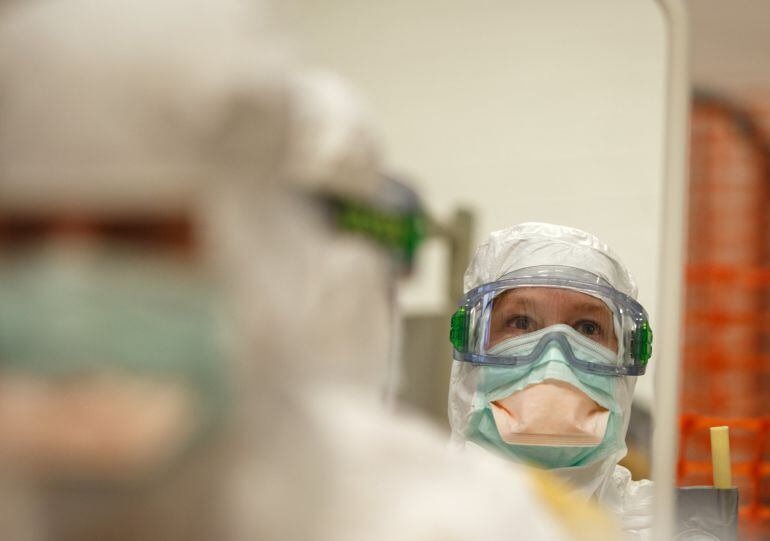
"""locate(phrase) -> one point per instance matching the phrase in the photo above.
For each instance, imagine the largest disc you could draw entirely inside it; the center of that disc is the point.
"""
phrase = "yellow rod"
(720, 456)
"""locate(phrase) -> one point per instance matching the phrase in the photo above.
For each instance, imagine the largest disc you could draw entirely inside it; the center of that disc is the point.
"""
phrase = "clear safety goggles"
(512, 321)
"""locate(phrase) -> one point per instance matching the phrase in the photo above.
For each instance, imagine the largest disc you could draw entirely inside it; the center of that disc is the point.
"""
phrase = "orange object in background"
(726, 367)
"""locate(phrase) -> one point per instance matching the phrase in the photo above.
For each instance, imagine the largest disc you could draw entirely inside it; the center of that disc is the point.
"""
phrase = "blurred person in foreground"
(548, 343)
(117, 115)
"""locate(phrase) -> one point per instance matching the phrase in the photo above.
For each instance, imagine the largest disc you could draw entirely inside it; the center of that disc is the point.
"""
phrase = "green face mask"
(67, 313)
(498, 382)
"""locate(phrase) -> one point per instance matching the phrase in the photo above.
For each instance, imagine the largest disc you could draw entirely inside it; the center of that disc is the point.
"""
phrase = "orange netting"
(726, 367)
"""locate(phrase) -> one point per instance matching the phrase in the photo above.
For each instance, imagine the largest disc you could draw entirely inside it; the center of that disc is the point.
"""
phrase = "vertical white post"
(671, 275)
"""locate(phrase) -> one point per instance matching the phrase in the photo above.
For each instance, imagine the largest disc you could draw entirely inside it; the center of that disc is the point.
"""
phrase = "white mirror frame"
(671, 269)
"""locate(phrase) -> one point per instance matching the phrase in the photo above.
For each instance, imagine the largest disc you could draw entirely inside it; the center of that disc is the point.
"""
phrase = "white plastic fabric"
(532, 244)
(161, 105)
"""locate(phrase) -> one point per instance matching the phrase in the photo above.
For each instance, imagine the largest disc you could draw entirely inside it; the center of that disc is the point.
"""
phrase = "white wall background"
(546, 110)
(731, 45)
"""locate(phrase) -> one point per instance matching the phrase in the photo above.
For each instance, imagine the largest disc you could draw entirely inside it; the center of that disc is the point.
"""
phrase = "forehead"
(551, 296)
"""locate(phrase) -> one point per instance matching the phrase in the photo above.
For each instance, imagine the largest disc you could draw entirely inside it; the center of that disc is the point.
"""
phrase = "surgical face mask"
(548, 413)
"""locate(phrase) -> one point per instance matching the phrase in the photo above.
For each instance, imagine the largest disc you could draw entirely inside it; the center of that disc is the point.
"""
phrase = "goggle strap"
(402, 232)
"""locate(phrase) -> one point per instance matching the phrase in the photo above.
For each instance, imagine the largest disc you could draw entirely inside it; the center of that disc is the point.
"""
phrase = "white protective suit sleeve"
(531, 244)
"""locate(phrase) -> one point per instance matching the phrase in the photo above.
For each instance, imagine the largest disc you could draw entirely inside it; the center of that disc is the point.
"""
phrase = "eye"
(521, 323)
(588, 328)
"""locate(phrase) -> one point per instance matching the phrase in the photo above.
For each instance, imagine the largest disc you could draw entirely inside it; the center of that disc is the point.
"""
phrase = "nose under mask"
(550, 413)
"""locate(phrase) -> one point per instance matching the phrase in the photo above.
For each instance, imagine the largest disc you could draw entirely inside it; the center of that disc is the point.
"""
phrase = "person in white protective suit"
(152, 105)
(548, 342)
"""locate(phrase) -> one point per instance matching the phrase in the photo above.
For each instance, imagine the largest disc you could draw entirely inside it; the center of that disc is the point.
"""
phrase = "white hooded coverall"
(532, 244)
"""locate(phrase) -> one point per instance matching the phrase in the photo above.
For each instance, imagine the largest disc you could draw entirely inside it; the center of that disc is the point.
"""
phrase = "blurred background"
(497, 113)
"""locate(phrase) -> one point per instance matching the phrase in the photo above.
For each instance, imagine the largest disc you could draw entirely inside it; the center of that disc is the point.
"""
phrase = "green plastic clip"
(458, 329)
(642, 345)
(401, 232)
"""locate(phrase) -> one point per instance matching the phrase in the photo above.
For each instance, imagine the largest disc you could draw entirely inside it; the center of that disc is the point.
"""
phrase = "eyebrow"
(585, 306)
(591, 307)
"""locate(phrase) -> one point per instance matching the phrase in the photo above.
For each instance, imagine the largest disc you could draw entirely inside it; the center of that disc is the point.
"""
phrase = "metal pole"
(460, 252)
(671, 266)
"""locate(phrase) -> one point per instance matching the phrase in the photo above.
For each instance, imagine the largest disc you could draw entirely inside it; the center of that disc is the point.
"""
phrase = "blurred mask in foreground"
(112, 355)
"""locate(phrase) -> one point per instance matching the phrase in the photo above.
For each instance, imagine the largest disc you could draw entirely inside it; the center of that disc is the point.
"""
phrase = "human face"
(528, 309)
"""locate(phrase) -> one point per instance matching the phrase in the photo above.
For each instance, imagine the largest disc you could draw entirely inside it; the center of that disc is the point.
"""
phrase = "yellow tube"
(720, 456)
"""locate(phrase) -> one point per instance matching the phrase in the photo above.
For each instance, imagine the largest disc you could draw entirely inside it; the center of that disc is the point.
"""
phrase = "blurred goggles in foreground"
(512, 321)
(394, 218)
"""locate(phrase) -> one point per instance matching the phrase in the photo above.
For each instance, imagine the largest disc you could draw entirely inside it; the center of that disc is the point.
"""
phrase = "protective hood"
(195, 107)
(147, 102)
(531, 244)
(528, 245)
